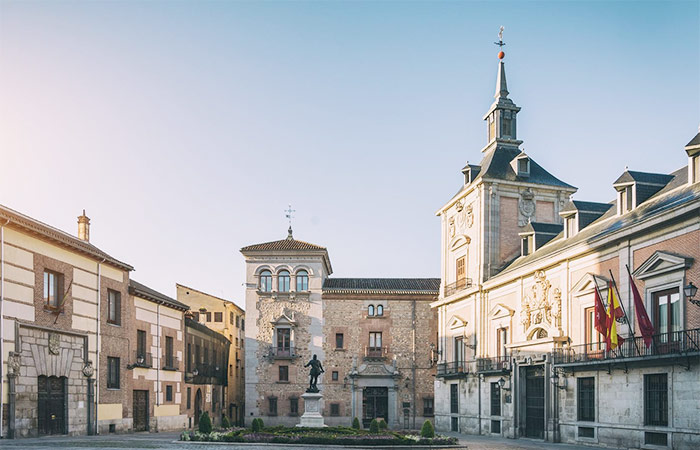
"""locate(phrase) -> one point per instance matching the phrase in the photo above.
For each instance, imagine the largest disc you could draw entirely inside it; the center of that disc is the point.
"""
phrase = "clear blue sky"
(185, 128)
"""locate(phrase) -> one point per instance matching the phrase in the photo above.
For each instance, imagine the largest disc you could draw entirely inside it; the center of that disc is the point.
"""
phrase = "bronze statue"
(316, 370)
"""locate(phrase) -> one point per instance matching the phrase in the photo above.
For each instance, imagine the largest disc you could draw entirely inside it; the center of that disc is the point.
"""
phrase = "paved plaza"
(167, 440)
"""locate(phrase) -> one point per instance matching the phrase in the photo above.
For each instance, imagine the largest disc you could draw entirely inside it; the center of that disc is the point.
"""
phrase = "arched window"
(380, 310)
(302, 281)
(370, 310)
(266, 281)
(283, 281)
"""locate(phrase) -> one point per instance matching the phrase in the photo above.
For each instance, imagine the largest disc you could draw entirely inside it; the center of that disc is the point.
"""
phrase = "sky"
(185, 129)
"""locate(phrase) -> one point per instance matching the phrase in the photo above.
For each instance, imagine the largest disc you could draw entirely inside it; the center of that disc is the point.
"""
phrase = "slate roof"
(675, 193)
(630, 176)
(694, 142)
(283, 244)
(143, 291)
(58, 236)
(588, 207)
(382, 285)
(542, 227)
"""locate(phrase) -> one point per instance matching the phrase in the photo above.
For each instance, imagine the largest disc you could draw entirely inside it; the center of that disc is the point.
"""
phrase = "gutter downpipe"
(99, 333)
(158, 335)
(2, 316)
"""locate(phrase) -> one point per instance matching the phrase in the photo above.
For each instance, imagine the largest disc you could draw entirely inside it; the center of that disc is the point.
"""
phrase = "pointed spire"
(501, 86)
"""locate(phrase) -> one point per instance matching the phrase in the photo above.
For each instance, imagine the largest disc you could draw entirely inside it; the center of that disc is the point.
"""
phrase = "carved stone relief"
(54, 343)
(538, 309)
(526, 206)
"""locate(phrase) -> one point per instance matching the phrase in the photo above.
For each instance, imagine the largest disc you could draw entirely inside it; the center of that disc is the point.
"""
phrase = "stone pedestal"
(312, 410)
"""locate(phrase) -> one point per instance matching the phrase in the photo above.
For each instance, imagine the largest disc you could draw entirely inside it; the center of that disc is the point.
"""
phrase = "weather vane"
(289, 214)
(500, 43)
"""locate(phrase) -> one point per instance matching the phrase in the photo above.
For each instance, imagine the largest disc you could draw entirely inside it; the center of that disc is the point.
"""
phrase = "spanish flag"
(613, 339)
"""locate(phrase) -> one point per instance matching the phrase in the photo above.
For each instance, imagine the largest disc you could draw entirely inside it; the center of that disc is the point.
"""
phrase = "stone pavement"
(165, 440)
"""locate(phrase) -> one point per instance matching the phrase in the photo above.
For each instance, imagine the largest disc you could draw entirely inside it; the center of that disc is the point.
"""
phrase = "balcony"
(206, 374)
(455, 369)
(142, 359)
(677, 344)
(376, 353)
(499, 364)
(282, 352)
(457, 286)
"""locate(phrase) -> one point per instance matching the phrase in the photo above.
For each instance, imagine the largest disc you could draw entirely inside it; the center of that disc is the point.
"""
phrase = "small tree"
(427, 430)
(225, 422)
(356, 423)
(374, 426)
(205, 423)
(256, 425)
(261, 423)
(382, 424)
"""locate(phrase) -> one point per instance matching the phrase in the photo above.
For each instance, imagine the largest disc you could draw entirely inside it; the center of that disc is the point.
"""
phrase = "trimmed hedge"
(427, 430)
(374, 426)
(205, 423)
(356, 423)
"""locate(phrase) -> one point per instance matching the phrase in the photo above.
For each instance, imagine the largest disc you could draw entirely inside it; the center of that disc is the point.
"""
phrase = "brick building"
(519, 353)
(365, 331)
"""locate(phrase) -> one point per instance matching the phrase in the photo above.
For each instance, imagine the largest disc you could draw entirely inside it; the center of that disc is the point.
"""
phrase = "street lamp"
(502, 384)
(690, 290)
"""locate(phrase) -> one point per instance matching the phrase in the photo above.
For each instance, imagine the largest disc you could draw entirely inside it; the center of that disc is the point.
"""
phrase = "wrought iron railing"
(376, 352)
(496, 364)
(457, 286)
(283, 352)
(142, 359)
(454, 368)
(676, 343)
(203, 374)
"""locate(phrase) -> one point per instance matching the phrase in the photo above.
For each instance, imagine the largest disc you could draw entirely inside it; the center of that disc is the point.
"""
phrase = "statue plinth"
(312, 410)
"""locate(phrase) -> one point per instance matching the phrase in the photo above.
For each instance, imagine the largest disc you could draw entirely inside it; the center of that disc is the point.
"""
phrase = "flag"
(601, 324)
(613, 339)
(645, 326)
(613, 300)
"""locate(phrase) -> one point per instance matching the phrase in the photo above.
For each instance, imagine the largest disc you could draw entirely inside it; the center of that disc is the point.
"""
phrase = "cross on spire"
(289, 214)
(500, 42)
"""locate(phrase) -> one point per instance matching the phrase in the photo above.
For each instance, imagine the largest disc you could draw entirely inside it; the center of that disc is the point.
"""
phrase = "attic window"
(570, 228)
(625, 199)
(695, 164)
(523, 166)
(527, 245)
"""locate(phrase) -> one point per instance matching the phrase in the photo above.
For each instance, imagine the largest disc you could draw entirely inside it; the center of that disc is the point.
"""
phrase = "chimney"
(84, 227)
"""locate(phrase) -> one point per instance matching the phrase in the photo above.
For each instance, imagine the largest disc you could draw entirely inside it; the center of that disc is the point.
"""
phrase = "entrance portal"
(197, 406)
(375, 404)
(52, 405)
(140, 410)
(534, 402)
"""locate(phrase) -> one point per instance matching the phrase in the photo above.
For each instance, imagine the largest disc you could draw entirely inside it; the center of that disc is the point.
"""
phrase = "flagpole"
(629, 324)
(595, 283)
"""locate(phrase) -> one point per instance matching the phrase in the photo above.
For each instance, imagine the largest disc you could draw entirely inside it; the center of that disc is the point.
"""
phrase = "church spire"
(501, 86)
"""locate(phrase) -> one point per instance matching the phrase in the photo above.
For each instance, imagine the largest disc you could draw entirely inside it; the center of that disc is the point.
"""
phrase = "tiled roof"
(143, 291)
(382, 285)
(283, 244)
(58, 236)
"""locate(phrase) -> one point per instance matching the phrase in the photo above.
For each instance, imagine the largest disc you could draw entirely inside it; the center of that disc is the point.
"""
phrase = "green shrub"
(256, 426)
(356, 423)
(225, 422)
(261, 423)
(427, 430)
(374, 426)
(383, 425)
(205, 423)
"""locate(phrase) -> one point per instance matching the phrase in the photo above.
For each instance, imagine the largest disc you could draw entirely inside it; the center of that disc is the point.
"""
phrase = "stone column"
(90, 406)
(393, 410)
(13, 363)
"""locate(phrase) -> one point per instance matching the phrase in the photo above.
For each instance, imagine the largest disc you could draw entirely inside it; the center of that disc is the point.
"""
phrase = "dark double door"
(534, 402)
(53, 405)
(375, 404)
(140, 410)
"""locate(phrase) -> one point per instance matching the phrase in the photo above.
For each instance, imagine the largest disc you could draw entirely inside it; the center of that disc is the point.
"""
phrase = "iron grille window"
(586, 399)
(454, 398)
(656, 399)
(495, 400)
(168, 393)
(284, 373)
(428, 407)
(218, 317)
(169, 363)
(339, 340)
(112, 373)
(272, 406)
(189, 398)
(141, 343)
(335, 409)
(114, 307)
(293, 406)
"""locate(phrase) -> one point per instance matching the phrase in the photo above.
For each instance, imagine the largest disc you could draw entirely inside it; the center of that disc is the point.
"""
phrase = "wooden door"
(140, 410)
(52, 405)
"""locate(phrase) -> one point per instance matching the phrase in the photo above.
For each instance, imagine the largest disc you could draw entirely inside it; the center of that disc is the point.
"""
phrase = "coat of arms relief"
(541, 307)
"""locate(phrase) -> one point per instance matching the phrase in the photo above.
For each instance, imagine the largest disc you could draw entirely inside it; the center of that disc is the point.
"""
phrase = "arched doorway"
(197, 407)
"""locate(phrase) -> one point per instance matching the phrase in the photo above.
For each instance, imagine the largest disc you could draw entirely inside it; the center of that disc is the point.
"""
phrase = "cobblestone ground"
(165, 440)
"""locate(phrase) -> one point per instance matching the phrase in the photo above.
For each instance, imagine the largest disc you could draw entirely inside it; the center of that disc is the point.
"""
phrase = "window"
(284, 373)
(339, 340)
(272, 406)
(218, 317)
(236, 342)
(454, 399)
(334, 375)
(208, 316)
(140, 344)
(266, 281)
(284, 339)
(189, 357)
(293, 406)
(667, 313)
(242, 324)
(570, 226)
(428, 407)
(656, 399)
(626, 199)
(461, 272)
(523, 164)
(594, 340)
(380, 310)
(169, 363)
(302, 281)
(230, 318)
(283, 281)
(112, 373)
(525, 246)
(335, 409)
(114, 307)
(51, 289)
(696, 169)
(195, 316)
(370, 310)
(169, 393)
(586, 399)
(197, 355)
(495, 399)
(375, 340)
(459, 349)
(189, 398)
(492, 128)
(238, 321)
(501, 341)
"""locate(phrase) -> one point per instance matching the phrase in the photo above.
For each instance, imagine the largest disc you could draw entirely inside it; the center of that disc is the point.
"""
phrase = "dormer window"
(692, 148)
(625, 199)
(695, 165)
(527, 245)
(570, 226)
(521, 165)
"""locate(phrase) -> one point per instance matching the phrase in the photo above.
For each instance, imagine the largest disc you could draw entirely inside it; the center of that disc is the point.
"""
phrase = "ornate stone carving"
(13, 363)
(452, 227)
(459, 205)
(526, 207)
(470, 216)
(538, 309)
(54, 343)
(88, 370)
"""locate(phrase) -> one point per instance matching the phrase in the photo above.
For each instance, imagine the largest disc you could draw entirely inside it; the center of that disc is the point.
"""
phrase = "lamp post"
(690, 290)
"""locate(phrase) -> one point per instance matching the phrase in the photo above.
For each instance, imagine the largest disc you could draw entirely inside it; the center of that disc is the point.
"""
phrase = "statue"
(316, 370)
